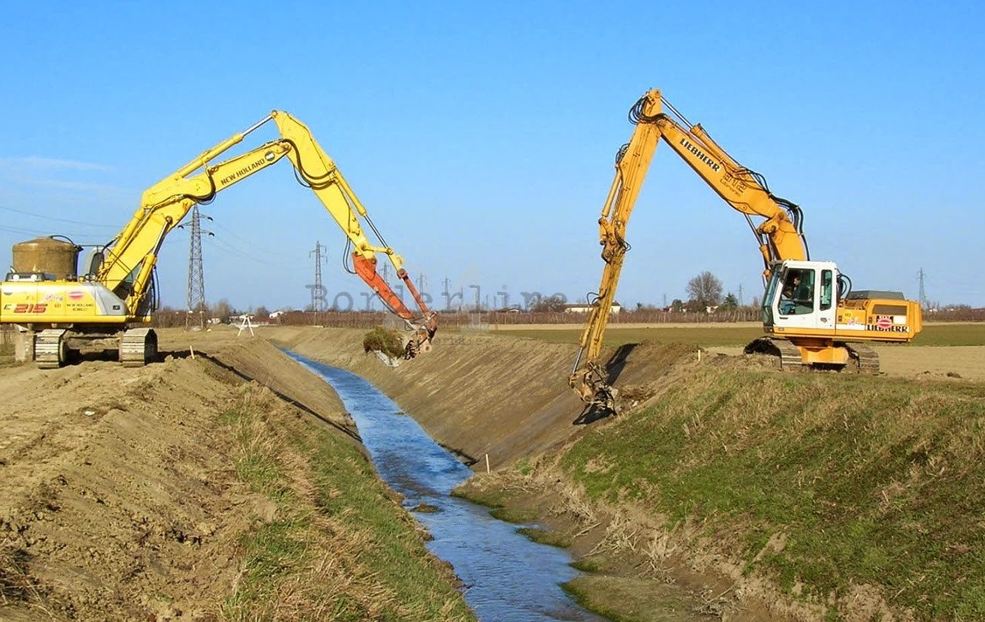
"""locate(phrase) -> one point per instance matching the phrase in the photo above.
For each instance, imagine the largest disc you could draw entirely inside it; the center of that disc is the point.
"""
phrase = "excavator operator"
(797, 295)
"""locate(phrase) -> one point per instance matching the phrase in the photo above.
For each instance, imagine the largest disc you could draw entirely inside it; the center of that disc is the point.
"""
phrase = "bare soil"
(119, 496)
(927, 362)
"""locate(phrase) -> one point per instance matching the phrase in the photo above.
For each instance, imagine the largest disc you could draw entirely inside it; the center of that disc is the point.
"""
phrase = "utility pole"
(921, 275)
(318, 290)
(196, 271)
(740, 294)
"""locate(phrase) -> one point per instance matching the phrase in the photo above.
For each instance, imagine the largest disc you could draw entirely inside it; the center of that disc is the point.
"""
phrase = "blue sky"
(481, 136)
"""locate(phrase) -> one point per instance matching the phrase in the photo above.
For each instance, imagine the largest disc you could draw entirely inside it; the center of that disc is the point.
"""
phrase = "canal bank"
(504, 575)
(726, 478)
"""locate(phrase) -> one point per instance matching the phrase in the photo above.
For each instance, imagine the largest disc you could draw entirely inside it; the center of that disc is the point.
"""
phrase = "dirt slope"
(480, 394)
(120, 499)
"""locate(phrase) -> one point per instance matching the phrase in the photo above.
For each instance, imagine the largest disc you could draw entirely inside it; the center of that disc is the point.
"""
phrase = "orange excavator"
(811, 316)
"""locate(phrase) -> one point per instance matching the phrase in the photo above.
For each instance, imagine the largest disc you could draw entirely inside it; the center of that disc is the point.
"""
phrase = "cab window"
(827, 289)
(797, 296)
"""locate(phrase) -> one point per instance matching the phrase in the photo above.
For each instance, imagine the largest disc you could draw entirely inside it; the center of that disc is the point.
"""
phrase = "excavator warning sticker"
(884, 322)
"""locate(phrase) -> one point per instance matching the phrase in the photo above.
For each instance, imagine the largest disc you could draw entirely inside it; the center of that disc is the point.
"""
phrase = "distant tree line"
(707, 302)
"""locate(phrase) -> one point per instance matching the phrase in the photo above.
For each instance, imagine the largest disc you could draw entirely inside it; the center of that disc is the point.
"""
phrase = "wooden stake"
(487, 463)
(192, 350)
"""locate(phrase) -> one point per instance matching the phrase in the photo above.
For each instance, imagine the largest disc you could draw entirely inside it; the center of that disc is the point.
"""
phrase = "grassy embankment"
(870, 481)
(738, 335)
(821, 483)
(335, 546)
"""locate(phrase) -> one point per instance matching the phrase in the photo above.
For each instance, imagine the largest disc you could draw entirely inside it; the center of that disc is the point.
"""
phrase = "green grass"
(497, 499)
(351, 494)
(952, 335)
(491, 497)
(549, 537)
(871, 480)
(515, 515)
(337, 547)
(595, 563)
(738, 335)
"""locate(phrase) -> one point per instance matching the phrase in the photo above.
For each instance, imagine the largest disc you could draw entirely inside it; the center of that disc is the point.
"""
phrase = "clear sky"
(481, 136)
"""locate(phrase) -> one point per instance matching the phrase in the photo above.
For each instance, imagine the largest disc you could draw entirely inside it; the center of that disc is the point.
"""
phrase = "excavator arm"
(588, 377)
(129, 260)
(317, 171)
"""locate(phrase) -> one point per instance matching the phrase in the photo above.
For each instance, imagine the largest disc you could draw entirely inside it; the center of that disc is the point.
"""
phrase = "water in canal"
(507, 576)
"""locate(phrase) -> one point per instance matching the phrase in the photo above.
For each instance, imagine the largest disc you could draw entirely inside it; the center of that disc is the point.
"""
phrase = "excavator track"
(785, 352)
(50, 348)
(866, 359)
(138, 346)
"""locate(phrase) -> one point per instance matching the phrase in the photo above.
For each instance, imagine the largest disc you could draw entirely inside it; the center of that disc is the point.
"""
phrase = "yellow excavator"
(111, 299)
(811, 317)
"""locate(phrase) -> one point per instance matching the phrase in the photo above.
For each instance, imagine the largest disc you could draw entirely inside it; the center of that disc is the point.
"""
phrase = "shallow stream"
(507, 577)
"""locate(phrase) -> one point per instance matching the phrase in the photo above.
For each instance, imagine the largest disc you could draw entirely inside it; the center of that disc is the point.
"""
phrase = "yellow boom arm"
(130, 258)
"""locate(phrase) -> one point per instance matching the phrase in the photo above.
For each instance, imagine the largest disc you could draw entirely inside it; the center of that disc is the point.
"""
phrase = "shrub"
(384, 340)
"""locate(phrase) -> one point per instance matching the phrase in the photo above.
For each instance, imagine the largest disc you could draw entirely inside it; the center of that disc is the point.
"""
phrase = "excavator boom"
(781, 234)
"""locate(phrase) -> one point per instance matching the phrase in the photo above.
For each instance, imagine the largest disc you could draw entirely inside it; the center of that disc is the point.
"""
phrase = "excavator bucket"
(590, 385)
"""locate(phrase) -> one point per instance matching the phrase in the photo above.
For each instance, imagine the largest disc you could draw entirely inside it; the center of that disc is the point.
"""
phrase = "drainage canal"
(506, 576)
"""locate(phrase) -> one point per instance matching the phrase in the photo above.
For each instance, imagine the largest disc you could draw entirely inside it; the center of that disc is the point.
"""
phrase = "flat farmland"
(952, 350)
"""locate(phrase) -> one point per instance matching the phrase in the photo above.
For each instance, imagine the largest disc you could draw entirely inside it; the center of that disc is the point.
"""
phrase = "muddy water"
(506, 576)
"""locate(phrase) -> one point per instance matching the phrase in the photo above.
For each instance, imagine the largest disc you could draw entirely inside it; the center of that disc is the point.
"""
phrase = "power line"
(20, 230)
(226, 231)
(43, 217)
(224, 247)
